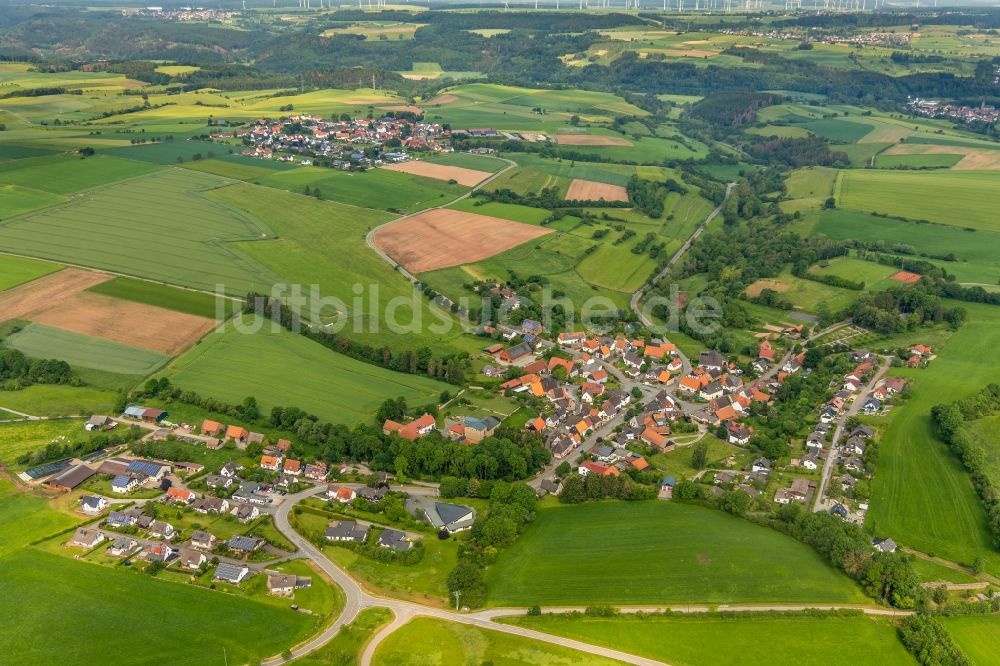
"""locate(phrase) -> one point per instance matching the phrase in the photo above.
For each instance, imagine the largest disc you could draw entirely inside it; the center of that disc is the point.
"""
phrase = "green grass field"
(984, 432)
(930, 161)
(921, 495)
(58, 400)
(17, 199)
(171, 298)
(730, 639)
(467, 161)
(346, 646)
(658, 552)
(60, 174)
(18, 270)
(290, 370)
(376, 188)
(962, 199)
(182, 237)
(247, 630)
(978, 252)
(40, 341)
(875, 276)
(25, 517)
(806, 294)
(426, 640)
(978, 636)
(839, 130)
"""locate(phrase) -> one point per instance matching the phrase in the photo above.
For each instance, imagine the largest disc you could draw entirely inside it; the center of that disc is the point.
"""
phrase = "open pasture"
(425, 640)
(19, 438)
(181, 237)
(468, 161)
(804, 294)
(40, 341)
(16, 271)
(922, 495)
(875, 276)
(202, 623)
(461, 175)
(967, 199)
(760, 640)
(290, 369)
(379, 30)
(59, 400)
(678, 554)
(839, 130)
(443, 237)
(591, 140)
(380, 189)
(978, 636)
(62, 174)
(589, 190)
(17, 199)
(977, 253)
(127, 322)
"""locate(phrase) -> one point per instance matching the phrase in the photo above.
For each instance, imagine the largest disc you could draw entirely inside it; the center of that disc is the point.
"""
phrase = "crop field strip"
(40, 341)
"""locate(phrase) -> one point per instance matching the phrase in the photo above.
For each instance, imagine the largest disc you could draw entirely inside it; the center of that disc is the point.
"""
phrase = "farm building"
(71, 478)
(147, 414)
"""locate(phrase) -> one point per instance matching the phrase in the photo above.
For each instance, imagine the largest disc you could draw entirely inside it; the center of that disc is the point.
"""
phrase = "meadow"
(875, 276)
(203, 624)
(58, 400)
(921, 495)
(180, 300)
(425, 640)
(18, 270)
(984, 432)
(346, 646)
(375, 188)
(63, 174)
(183, 236)
(658, 552)
(25, 517)
(40, 341)
(290, 370)
(962, 199)
(805, 294)
(978, 636)
(731, 639)
(977, 252)
(468, 161)
(17, 199)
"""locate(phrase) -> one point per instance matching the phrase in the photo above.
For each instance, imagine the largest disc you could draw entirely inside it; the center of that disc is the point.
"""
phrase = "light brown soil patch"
(405, 108)
(982, 159)
(441, 99)
(46, 292)
(591, 140)
(127, 322)
(590, 190)
(754, 289)
(461, 175)
(905, 276)
(886, 133)
(442, 238)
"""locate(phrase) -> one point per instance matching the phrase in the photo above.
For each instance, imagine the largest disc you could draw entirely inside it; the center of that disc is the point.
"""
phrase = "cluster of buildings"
(182, 13)
(954, 112)
(884, 39)
(305, 137)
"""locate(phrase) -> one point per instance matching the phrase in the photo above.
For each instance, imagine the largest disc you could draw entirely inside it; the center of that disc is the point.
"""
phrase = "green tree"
(699, 454)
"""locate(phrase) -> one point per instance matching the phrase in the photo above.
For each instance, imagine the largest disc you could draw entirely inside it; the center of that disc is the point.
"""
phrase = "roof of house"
(230, 572)
(241, 542)
(73, 476)
(280, 581)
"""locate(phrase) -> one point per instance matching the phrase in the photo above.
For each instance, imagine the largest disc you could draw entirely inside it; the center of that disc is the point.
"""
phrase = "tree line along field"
(183, 237)
(285, 369)
(735, 639)
(657, 552)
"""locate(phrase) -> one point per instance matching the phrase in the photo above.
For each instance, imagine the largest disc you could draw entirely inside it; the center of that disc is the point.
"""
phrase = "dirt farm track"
(441, 238)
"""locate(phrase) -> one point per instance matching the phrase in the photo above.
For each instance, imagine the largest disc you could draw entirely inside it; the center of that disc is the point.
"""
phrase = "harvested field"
(590, 190)
(46, 292)
(461, 175)
(130, 323)
(905, 276)
(442, 238)
(441, 100)
(590, 140)
(404, 108)
(754, 289)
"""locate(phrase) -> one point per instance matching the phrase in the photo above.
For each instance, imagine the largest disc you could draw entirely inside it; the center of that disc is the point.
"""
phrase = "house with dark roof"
(122, 545)
(203, 540)
(346, 530)
(191, 559)
(93, 504)
(244, 544)
(394, 540)
(451, 517)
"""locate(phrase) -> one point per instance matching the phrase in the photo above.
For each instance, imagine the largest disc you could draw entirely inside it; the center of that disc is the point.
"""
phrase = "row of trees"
(18, 371)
